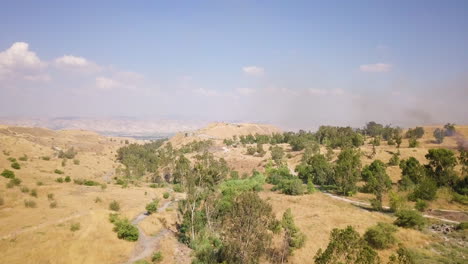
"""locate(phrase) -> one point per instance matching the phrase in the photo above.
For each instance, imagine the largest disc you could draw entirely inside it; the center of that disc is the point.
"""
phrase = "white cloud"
(245, 91)
(336, 92)
(207, 92)
(19, 60)
(105, 83)
(378, 67)
(72, 61)
(253, 70)
(318, 91)
(38, 78)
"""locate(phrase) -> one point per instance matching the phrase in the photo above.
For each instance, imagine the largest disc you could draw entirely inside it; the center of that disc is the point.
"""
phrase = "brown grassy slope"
(42, 234)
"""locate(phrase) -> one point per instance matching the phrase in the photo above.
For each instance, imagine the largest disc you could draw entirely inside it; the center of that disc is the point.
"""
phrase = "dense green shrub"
(380, 236)
(152, 207)
(251, 150)
(75, 227)
(413, 170)
(397, 202)
(462, 226)
(410, 219)
(91, 183)
(124, 229)
(316, 169)
(178, 188)
(421, 205)
(67, 179)
(348, 171)
(346, 246)
(57, 171)
(114, 206)
(394, 160)
(33, 193)
(441, 166)
(157, 257)
(426, 190)
(296, 237)
(413, 143)
(15, 165)
(30, 204)
(45, 158)
(166, 195)
(11, 159)
(8, 174)
(59, 180)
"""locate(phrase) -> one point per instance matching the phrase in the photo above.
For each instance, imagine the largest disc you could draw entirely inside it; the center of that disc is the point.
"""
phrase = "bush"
(76, 161)
(50, 196)
(91, 183)
(165, 195)
(57, 171)
(124, 229)
(30, 204)
(69, 154)
(33, 193)
(397, 202)
(114, 206)
(11, 159)
(16, 165)
(53, 204)
(23, 158)
(75, 227)
(178, 188)
(8, 174)
(421, 205)
(68, 179)
(152, 207)
(157, 257)
(413, 143)
(64, 162)
(380, 236)
(462, 226)
(39, 183)
(15, 181)
(59, 180)
(394, 160)
(24, 189)
(410, 219)
(426, 190)
(291, 186)
(45, 158)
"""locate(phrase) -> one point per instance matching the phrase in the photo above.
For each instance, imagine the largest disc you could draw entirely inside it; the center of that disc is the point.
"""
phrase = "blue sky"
(295, 63)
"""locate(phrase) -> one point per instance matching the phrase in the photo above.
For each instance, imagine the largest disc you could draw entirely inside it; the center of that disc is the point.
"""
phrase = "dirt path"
(146, 244)
(386, 207)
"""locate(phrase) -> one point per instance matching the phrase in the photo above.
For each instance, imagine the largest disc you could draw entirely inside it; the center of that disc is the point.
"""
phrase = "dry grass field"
(43, 235)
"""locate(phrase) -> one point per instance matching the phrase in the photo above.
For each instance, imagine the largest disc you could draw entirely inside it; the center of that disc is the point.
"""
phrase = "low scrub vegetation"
(381, 236)
(124, 229)
(152, 207)
(410, 219)
(114, 206)
(30, 204)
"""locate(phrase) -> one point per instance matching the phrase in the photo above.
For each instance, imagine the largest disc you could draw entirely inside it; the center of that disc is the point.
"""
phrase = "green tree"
(152, 207)
(348, 170)
(277, 155)
(441, 166)
(410, 219)
(439, 135)
(346, 247)
(380, 236)
(316, 169)
(182, 168)
(378, 181)
(412, 170)
(449, 129)
(296, 238)
(245, 229)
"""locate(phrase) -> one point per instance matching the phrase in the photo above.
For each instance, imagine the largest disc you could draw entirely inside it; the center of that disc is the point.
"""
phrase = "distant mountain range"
(115, 126)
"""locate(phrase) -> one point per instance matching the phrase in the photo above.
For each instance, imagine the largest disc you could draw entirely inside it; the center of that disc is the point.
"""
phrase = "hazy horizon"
(291, 64)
